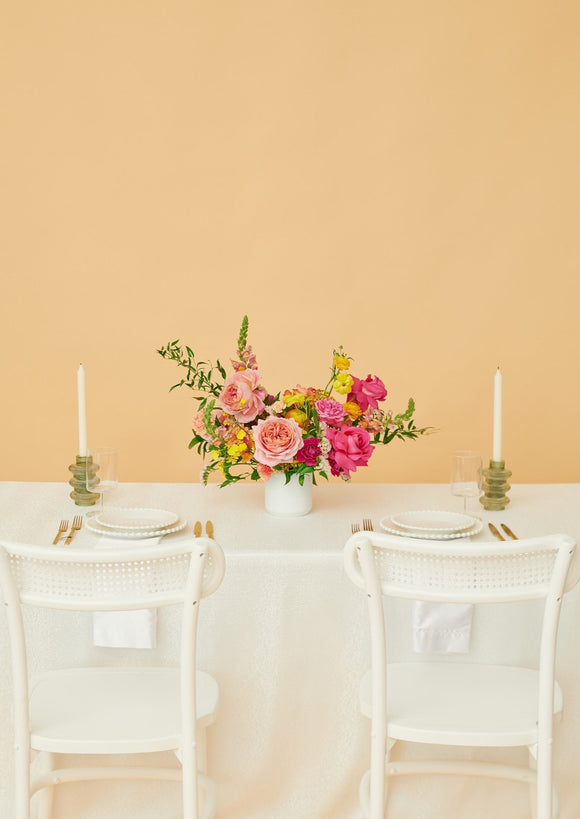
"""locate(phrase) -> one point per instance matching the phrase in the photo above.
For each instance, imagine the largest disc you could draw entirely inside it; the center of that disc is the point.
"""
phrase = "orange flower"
(353, 410)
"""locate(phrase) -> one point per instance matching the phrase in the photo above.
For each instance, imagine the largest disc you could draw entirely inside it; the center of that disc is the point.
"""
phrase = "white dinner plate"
(433, 520)
(390, 526)
(94, 526)
(136, 520)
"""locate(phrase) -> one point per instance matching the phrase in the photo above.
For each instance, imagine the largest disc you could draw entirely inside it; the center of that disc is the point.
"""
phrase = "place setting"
(432, 524)
(134, 523)
(441, 524)
(123, 523)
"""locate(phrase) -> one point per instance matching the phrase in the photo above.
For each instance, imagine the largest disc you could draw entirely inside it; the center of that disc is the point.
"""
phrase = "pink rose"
(367, 393)
(351, 448)
(330, 411)
(241, 396)
(309, 452)
(276, 440)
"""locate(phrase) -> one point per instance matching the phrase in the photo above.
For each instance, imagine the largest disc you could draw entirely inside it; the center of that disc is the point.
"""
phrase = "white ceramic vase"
(288, 500)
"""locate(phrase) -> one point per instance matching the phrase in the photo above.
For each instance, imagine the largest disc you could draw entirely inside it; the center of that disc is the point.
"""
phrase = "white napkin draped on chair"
(125, 629)
(441, 628)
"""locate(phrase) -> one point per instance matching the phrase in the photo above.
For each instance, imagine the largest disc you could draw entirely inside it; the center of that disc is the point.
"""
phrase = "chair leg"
(532, 752)
(46, 795)
(390, 746)
(22, 783)
(544, 790)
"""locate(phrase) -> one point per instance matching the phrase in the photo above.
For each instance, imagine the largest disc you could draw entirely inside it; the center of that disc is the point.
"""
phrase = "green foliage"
(199, 375)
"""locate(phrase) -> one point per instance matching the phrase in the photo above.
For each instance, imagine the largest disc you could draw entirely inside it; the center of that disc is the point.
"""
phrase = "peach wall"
(399, 178)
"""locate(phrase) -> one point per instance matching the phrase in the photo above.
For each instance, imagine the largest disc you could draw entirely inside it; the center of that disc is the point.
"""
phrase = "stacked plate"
(432, 525)
(134, 523)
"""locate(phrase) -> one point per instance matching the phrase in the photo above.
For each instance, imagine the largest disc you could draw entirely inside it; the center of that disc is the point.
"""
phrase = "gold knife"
(209, 528)
(197, 528)
(494, 532)
(508, 531)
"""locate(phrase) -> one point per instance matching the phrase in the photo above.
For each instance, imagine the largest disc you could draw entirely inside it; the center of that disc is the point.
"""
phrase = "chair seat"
(460, 704)
(70, 710)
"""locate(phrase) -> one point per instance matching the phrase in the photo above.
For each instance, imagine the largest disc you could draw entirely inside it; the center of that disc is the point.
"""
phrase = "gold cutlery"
(209, 528)
(368, 525)
(197, 528)
(495, 532)
(63, 526)
(76, 525)
(354, 528)
(508, 531)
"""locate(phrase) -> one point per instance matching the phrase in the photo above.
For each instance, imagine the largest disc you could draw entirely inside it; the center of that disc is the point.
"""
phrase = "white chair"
(119, 710)
(460, 704)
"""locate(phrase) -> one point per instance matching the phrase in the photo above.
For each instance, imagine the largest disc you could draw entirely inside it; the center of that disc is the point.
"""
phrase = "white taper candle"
(82, 404)
(497, 403)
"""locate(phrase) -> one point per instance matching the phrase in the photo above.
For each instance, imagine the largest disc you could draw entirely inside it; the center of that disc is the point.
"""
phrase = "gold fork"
(197, 528)
(63, 526)
(368, 525)
(354, 528)
(209, 528)
(76, 525)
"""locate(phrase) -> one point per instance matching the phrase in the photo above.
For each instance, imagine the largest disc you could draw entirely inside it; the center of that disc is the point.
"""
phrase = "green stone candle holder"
(80, 494)
(495, 486)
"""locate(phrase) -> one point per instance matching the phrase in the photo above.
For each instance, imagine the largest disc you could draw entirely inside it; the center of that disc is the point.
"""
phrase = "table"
(286, 635)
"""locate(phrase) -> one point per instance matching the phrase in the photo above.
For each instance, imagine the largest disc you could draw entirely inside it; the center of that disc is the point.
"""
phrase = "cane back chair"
(111, 710)
(459, 703)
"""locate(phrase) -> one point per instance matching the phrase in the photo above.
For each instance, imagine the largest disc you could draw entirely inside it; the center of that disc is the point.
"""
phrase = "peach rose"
(276, 440)
(242, 396)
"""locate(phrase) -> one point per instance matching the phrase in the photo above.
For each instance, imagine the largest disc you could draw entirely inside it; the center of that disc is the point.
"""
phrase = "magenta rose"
(330, 411)
(310, 452)
(367, 393)
(276, 440)
(351, 448)
(242, 397)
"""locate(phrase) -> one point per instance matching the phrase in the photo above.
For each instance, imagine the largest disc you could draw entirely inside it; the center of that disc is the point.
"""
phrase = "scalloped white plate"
(94, 526)
(389, 526)
(433, 520)
(134, 519)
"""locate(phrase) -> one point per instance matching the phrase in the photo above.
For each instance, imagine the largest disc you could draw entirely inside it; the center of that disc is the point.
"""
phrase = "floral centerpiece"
(244, 431)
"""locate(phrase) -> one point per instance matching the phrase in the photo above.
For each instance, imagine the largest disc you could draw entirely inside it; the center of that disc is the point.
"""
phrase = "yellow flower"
(353, 410)
(291, 398)
(341, 362)
(240, 434)
(297, 415)
(343, 383)
(215, 454)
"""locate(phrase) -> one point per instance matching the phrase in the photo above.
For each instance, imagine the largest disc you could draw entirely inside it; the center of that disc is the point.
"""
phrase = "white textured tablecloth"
(286, 635)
